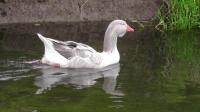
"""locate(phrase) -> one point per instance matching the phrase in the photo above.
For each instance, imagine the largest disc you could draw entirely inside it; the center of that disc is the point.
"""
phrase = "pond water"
(158, 72)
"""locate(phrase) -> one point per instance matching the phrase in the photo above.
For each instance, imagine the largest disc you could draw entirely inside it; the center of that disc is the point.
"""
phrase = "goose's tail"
(45, 40)
(51, 56)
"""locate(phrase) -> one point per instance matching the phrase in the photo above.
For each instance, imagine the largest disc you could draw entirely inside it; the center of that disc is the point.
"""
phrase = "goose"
(70, 54)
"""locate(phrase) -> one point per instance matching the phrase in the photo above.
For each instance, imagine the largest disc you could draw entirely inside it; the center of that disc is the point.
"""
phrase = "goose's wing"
(70, 49)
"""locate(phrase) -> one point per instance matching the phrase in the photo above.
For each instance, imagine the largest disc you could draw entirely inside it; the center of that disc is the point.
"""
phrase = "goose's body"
(71, 54)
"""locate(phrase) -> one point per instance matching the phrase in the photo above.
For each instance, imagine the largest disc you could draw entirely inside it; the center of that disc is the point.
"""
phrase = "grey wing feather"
(69, 49)
(64, 50)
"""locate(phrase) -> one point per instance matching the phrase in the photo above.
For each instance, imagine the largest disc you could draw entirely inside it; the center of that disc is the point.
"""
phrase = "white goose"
(70, 54)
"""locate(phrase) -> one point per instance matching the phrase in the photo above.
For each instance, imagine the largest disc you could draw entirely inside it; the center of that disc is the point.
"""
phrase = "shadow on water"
(157, 72)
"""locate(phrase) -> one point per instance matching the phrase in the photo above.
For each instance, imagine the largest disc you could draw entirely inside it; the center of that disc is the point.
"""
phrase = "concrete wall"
(22, 11)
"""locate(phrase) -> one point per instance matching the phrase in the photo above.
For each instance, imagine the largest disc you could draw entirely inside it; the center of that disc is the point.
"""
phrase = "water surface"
(157, 72)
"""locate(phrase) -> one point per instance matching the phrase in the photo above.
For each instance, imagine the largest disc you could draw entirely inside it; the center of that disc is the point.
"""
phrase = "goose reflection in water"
(80, 78)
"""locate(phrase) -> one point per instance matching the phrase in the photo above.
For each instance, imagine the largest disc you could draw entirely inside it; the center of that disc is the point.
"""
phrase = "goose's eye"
(123, 24)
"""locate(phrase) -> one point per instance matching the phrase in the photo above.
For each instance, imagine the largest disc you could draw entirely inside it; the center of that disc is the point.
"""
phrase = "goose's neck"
(110, 41)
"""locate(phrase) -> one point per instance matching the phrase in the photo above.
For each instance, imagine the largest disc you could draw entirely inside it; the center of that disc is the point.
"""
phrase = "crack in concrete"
(81, 6)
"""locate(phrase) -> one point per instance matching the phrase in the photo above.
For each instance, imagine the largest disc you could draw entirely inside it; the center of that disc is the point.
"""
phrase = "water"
(157, 72)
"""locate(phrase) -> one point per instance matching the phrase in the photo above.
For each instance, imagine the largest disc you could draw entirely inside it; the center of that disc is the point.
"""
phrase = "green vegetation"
(179, 14)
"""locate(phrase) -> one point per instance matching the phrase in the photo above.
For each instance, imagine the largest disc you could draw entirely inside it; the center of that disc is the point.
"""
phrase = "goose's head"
(119, 27)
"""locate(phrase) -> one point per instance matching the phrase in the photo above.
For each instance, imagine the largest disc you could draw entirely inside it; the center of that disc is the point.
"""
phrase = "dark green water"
(157, 72)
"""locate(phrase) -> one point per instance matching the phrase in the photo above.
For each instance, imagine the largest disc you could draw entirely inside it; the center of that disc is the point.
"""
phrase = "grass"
(179, 15)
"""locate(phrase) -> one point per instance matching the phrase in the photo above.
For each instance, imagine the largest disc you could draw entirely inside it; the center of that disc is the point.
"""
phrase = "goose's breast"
(110, 58)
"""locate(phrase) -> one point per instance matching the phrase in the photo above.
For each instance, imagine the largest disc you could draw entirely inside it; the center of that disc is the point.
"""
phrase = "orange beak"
(129, 29)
